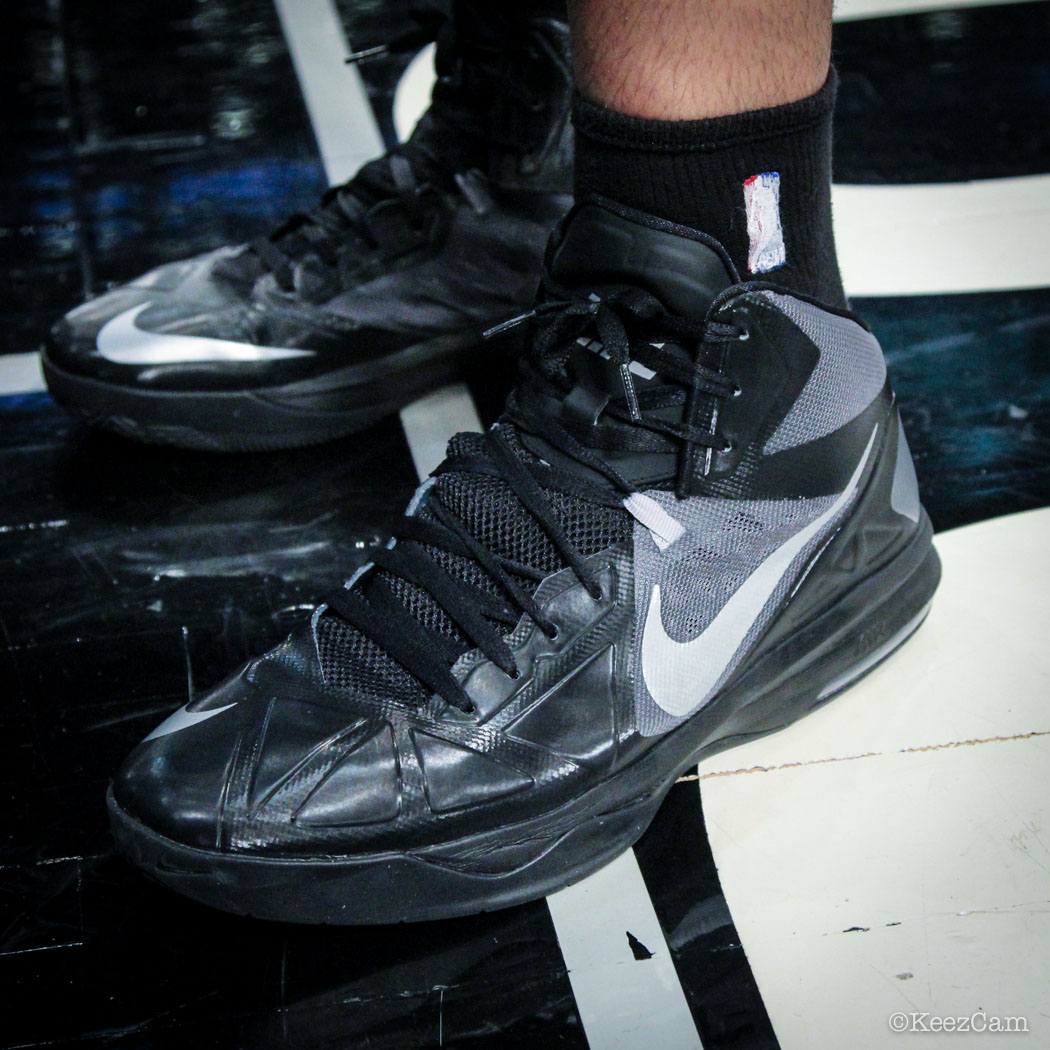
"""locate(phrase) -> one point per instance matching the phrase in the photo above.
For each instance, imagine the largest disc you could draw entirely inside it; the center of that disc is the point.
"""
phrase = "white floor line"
(848, 10)
(341, 115)
(20, 374)
(940, 238)
(430, 421)
(412, 94)
(625, 1003)
(886, 854)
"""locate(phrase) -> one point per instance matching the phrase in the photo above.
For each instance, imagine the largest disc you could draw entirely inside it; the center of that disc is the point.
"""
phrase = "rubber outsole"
(780, 684)
(267, 418)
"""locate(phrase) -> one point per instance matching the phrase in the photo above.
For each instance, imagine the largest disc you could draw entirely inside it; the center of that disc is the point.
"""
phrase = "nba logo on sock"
(765, 235)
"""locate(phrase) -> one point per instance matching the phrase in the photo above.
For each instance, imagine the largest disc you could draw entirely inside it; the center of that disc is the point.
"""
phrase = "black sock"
(715, 175)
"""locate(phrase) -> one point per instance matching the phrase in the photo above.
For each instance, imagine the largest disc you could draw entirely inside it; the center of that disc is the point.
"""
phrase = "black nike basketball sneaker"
(349, 311)
(696, 521)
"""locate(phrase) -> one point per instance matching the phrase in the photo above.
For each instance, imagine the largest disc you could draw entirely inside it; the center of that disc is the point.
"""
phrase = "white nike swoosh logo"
(681, 675)
(183, 719)
(120, 340)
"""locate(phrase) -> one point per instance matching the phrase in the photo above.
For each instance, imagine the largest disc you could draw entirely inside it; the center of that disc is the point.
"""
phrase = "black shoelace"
(631, 325)
(396, 203)
(391, 206)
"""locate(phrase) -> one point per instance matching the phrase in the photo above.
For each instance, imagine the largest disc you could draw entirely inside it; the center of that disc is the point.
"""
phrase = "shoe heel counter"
(886, 520)
(887, 514)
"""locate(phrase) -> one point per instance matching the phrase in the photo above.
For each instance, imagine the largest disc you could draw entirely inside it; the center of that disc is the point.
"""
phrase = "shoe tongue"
(600, 246)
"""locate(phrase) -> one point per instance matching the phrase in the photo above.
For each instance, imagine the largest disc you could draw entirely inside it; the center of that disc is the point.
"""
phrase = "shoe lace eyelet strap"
(705, 382)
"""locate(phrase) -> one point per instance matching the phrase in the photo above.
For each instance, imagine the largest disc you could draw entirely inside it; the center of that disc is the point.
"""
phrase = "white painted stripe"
(341, 115)
(939, 238)
(20, 374)
(412, 95)
(888, 852)
(625, 1003)
(849, 10)
(430, 421)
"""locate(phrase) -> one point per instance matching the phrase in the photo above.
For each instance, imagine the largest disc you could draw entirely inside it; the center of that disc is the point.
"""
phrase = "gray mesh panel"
(724, 542)
(849, 376)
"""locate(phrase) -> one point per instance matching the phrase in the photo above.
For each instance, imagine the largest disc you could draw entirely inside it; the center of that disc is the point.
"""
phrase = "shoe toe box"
(174, 295)
(266, 763)
(175, 781)
(72, 343)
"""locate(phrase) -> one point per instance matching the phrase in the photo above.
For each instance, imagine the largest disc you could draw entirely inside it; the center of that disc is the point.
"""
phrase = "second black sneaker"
(349, 311)
(697, 521)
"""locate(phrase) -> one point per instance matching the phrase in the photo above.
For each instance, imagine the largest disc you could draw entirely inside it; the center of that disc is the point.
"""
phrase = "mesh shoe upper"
(492, 514)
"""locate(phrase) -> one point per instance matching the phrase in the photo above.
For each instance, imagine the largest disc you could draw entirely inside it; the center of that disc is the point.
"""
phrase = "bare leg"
(690, 59)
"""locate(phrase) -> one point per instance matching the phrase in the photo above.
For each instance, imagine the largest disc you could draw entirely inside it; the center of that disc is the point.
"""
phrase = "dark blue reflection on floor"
(973, 376)
(137, 137)
(944, 96)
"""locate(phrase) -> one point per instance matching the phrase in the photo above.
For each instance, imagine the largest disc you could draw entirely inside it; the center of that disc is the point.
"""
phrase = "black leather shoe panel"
(769, 364)
(577, 718)
(486, 267)
(456, 777)
(572, 611)
(297, 742)
(364, 787)
(683, 269)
